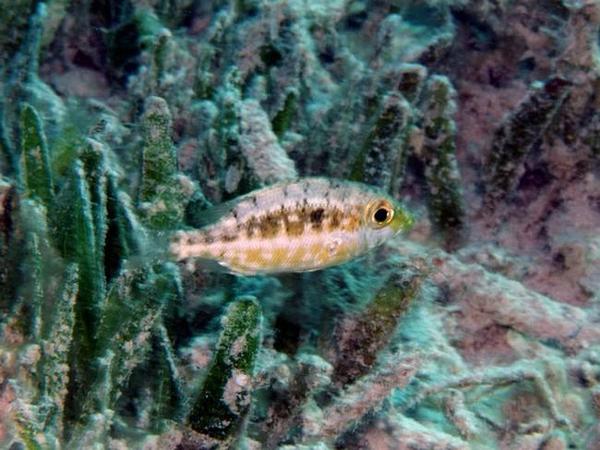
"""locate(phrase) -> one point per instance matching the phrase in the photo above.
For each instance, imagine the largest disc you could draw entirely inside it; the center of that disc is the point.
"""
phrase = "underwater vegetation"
(123, 122)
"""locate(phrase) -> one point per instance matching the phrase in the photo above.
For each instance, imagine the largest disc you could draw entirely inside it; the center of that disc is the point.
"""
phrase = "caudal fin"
(153, 248)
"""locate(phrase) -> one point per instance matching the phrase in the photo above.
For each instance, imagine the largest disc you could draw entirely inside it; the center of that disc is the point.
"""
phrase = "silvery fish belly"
(296, 226)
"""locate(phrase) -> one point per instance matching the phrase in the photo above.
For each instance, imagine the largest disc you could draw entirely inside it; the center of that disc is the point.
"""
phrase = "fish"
(295, 226)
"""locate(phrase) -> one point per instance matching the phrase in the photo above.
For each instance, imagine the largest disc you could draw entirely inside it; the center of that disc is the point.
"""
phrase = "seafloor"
(122, 121)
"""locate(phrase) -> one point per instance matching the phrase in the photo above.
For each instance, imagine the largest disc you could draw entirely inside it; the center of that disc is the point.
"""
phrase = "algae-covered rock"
(519, 133)
(265, 157)
(160, 194)
(358, 339)
(121, 122)
(383, 155)
(36, 161)
(56, 344)
(438, 153)
(221, 407)
(74, 232)
(133, 306)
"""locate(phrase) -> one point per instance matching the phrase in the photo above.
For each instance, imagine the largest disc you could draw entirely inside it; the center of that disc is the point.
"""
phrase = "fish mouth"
(403, 220)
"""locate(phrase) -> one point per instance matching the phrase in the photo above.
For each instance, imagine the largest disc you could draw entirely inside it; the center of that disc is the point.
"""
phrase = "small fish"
(297, 226)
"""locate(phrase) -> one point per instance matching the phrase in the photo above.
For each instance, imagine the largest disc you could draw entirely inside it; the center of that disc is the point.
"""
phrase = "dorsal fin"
(213, 214)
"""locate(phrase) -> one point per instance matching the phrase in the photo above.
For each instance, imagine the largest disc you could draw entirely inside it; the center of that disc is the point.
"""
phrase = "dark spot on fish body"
(251, 226)
(229, 237)
(302, 212)
(269, 226)
(352, 219)
(275, 219)
(316, 218)
(335, 219)
(285, 220)
(208, 238)
(294, 228)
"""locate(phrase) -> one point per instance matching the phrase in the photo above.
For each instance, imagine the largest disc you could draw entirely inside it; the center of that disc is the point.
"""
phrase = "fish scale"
(296, 226)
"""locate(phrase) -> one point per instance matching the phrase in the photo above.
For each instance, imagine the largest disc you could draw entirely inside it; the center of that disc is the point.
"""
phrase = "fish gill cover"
(125, 122)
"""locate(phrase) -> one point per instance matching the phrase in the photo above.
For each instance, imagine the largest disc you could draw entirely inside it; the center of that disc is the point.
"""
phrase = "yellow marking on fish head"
(383, 218)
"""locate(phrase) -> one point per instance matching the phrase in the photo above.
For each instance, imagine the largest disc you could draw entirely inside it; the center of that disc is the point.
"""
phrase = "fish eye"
(380, 213)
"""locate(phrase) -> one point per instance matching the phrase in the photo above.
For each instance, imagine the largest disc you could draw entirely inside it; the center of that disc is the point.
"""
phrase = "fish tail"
(152, 247)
